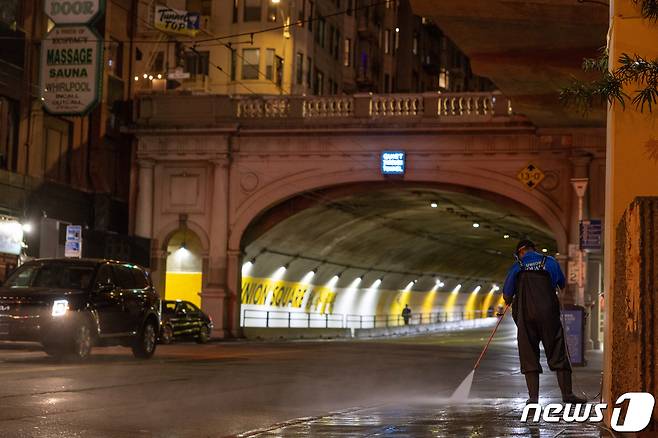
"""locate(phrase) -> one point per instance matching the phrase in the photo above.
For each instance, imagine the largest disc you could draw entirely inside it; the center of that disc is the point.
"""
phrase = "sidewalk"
(494, 410)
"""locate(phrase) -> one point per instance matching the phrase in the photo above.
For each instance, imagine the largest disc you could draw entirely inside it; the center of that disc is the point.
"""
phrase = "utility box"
(573, 322)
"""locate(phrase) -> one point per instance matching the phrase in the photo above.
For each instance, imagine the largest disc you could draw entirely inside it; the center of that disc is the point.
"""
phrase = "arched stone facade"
(221, 179)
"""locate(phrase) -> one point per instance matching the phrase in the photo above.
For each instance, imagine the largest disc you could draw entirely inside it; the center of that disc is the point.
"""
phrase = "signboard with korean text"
(393, 163)
(70, 70)
(176, 21)
(73, 243)
(73, 11)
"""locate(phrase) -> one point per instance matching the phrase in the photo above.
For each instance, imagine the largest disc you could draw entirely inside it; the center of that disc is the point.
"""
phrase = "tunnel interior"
(372, 248)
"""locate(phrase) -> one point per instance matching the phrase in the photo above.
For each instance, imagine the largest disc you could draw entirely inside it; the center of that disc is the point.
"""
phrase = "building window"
(269, 64)
(444, 79)
(387, 41)
(57, 145)
(8, 134)
(158, 64)
(196, 63)
(396, 38)
(310, 16)
(299, 68)
(319, 35)
(272, 12)
(347, 52)
(387, 83)
(414, 44)
(115, 58)
(309, 77)
(349, 7)
(336, 44)
(234, 64)
(252, 10)
(279, 70)
(235, 11)
(318, 83)
(250, 62)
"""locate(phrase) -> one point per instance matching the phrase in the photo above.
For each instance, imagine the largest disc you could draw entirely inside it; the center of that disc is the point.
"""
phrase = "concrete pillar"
(144, 208)
(362, 105)
(234, 287)
(213, 294)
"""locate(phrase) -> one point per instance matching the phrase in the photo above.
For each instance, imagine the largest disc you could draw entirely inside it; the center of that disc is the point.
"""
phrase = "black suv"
(70, 305)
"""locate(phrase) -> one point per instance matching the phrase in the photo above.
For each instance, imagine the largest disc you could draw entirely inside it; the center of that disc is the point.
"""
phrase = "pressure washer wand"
(477, 364)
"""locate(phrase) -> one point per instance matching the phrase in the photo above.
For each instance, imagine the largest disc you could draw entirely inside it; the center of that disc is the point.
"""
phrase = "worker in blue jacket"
(530, 287)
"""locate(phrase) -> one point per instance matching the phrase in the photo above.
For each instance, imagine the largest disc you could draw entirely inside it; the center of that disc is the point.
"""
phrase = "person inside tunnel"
(406, 314)
(530, 287)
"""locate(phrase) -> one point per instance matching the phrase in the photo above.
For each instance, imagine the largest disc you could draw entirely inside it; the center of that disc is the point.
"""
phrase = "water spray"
(464, 389)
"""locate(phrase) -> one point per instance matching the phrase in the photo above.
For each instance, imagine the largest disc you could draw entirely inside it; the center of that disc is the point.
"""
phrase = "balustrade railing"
(285, 319)
(202, 109)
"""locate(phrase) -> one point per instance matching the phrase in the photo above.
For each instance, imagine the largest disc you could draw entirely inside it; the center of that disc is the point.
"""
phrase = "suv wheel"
(167, 336)
(77, 348)
(144, 345)
(204, 334)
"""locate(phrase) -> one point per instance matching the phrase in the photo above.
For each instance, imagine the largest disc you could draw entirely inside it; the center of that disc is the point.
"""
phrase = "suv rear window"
(124, 277)
(140, 278)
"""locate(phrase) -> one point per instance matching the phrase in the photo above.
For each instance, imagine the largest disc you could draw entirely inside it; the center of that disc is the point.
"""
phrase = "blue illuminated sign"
(393, 162)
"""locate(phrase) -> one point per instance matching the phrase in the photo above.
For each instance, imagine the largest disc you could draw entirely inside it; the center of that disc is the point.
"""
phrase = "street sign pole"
(580, 186)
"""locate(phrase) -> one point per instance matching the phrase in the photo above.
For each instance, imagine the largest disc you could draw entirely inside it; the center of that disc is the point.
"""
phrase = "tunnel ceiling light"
(376, 283)
(476, 225)
(494, 288)
(505, 236)
(434, 204)
(409, 286)
(456, 289)
(544, 250)
(477, 289)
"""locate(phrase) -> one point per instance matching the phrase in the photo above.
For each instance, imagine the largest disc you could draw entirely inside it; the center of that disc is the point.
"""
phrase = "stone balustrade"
(193, 109)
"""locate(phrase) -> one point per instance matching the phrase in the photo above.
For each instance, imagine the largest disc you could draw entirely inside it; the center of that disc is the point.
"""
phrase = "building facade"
(319, 47)
(60, 170)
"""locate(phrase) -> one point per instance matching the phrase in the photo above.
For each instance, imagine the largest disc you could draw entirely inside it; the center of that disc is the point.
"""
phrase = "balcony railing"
(192, 109)
(284, 319)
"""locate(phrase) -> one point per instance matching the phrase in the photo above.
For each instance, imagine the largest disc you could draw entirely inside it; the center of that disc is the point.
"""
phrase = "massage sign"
(71, 57)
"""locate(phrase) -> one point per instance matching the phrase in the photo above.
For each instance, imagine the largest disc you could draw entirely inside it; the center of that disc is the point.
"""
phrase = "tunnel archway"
(393, 235)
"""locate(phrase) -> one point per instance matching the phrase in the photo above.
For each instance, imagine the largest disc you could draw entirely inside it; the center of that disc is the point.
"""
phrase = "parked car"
(184, 320)
(72, 305)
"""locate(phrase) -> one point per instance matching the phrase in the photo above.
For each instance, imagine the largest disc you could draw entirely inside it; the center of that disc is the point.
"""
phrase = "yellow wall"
(632, 143)
(183, 286)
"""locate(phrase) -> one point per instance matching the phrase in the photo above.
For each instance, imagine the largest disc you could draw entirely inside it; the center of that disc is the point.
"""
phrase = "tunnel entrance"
(357, 255)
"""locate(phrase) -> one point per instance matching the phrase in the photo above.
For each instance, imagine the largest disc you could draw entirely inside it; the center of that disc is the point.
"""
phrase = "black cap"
(524, 243)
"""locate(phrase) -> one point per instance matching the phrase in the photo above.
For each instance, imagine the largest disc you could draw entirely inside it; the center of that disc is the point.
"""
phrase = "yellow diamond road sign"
(530, 176)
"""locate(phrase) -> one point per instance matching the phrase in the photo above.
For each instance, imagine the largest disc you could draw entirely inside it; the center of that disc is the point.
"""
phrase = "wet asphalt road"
(227, 388)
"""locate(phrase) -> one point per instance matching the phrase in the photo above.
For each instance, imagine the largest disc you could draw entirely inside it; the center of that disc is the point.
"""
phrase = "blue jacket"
(533, 260)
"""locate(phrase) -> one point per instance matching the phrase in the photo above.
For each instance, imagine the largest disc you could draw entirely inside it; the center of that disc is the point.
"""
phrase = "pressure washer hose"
(477, 364)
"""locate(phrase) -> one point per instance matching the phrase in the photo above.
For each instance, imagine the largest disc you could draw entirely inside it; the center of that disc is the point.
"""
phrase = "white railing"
(467, 104)
(380, 108)
(396, 105)
(328, 106)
